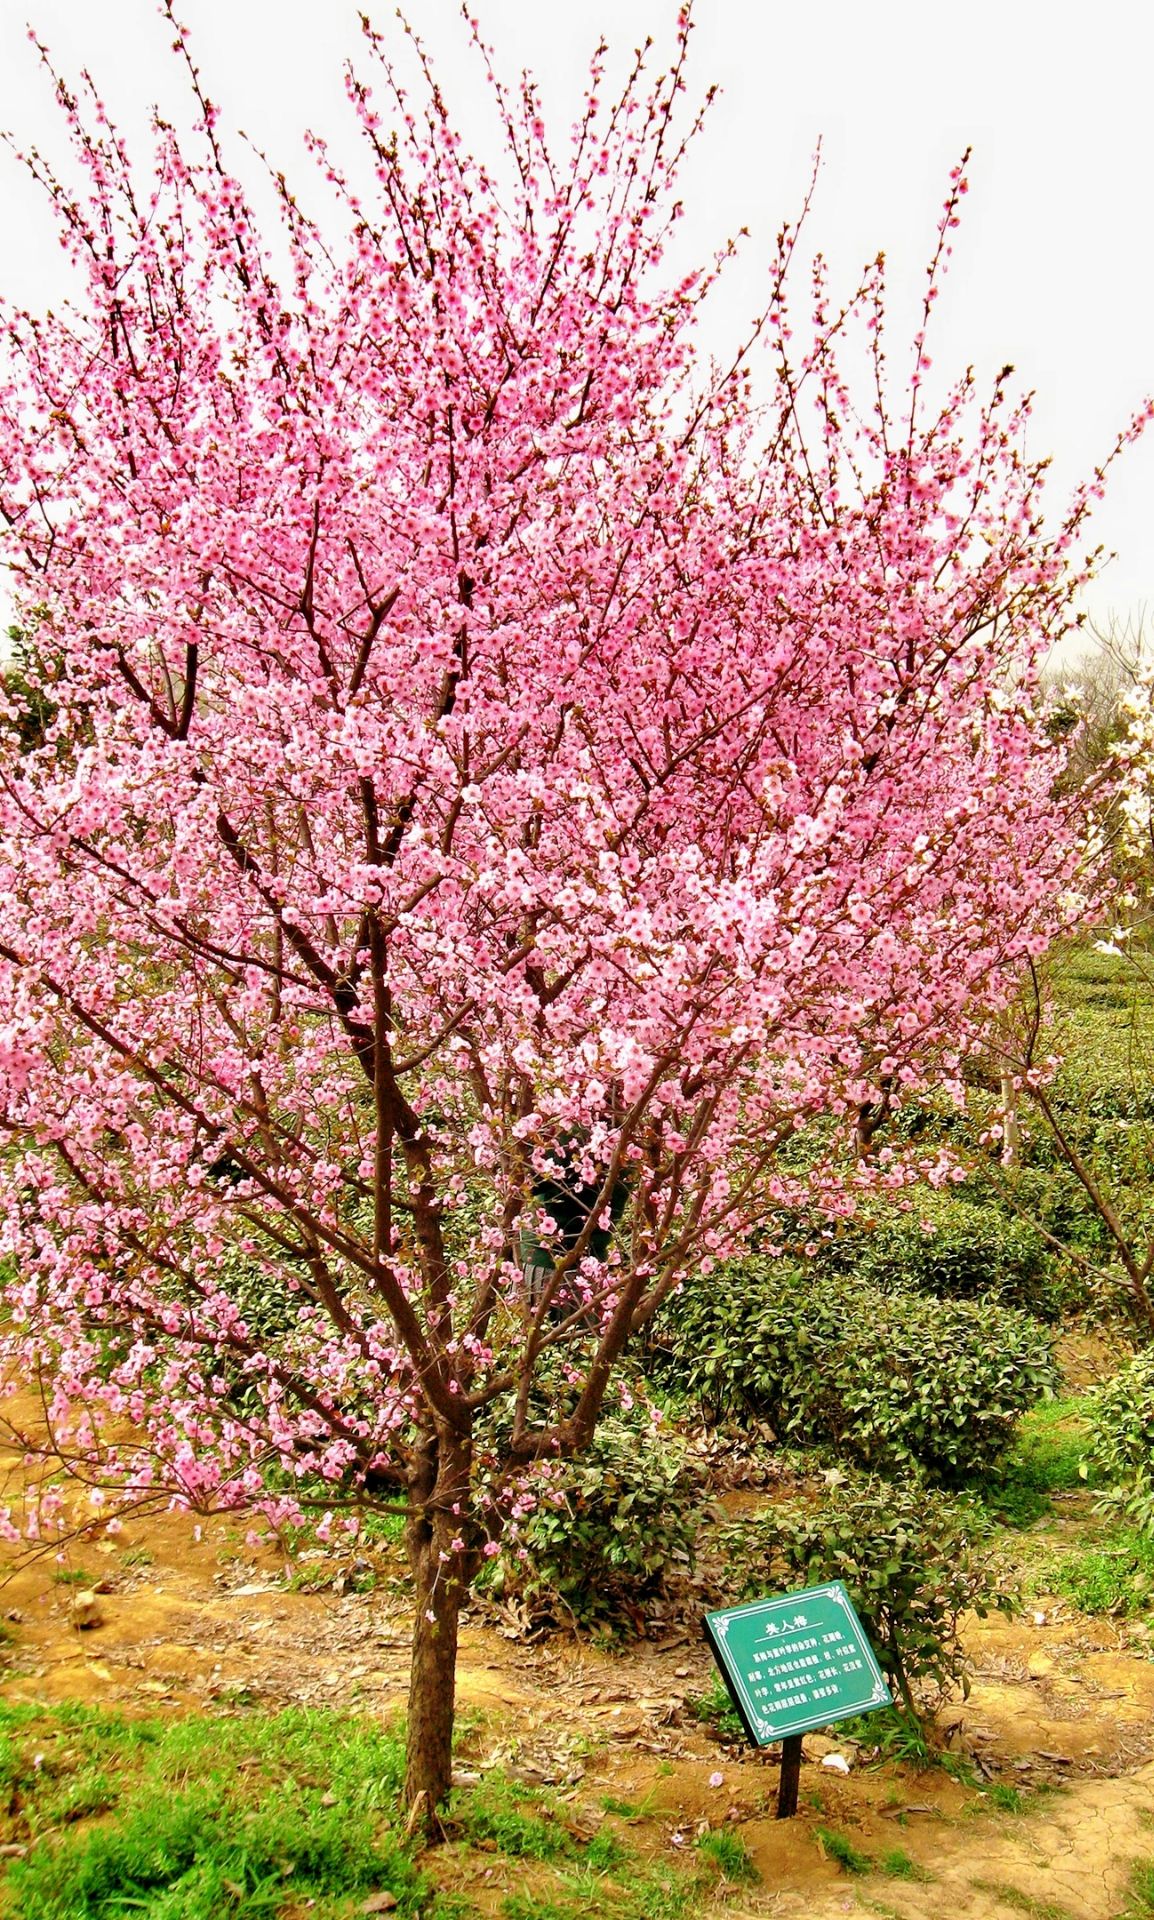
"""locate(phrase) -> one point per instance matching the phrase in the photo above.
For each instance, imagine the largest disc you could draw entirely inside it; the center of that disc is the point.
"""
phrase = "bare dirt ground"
(1062, 1708)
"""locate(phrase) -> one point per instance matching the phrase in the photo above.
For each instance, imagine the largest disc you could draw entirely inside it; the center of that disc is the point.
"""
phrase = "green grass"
(203, 1819)
(511, 1817)
(715, 1708)
(1045, 1459)
(1019, 1902)
(629, 1810)
(1004, 1798)
(255, 1816)
(896, 1737)
(137, 1557)
(1115, 1576)
(1140, 1905)
(74, 1577)
(898, 1865)
(727, 1852)
(837, 1847)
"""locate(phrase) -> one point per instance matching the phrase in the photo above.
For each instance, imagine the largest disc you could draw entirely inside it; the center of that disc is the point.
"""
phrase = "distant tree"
(489, 756)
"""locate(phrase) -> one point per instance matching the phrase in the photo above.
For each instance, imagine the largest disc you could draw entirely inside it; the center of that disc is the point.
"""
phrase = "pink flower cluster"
(466, 748)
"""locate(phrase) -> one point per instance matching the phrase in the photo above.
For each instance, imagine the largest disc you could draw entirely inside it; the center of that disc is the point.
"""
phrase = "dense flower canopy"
(468, 752)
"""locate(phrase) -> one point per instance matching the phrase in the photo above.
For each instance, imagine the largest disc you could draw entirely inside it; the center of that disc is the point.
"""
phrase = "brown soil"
(1059, 1703)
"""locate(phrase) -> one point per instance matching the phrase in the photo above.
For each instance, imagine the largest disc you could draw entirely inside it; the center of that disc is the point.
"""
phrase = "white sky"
(1053, 268)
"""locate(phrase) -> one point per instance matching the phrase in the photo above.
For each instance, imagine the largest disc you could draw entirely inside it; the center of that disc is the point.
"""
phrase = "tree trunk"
(440, 1568)
(432, 1687)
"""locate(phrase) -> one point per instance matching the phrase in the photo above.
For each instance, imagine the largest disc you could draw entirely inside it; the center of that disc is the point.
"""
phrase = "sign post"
(793, 1664)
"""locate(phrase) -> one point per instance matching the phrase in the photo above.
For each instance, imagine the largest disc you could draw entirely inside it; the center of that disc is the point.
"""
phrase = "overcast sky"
(1054, 267)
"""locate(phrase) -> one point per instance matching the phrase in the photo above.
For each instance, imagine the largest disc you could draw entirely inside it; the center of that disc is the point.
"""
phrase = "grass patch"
(836, 1846)
(629, 1810)
(257, 1816)
(1011, 1896)
(898, 1865)
(1140, 1905)
(893, 1736)
(210, 1819)
(1046, 1458)
(1116, 1576)
(73, 1577)
(137, 1557)
(727, 1852)
(1005, 1799)
(717, 1711)
(511, 1817)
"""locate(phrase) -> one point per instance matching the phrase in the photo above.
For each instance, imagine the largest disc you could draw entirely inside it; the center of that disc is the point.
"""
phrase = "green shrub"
(972, 1252)
(909, 1557)
(891, 1382)
(613, 1525)
(1122, 1440)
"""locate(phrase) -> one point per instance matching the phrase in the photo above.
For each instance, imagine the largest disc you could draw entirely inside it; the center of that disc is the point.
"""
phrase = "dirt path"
(1062, 1711)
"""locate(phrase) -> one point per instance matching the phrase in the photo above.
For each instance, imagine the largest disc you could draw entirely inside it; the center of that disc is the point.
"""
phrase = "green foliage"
(1005, 1799)
(837, 1847)
(891, 1382)
(891, 1737)
(613, 1525)
(1122, 1440)
(907, 1556)
(1010, 1896)
(275, 1815)
(717, 1710)
(956, 1249)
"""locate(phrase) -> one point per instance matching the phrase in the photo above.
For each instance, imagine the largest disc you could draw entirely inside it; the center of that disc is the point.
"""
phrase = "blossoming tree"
(478, 756)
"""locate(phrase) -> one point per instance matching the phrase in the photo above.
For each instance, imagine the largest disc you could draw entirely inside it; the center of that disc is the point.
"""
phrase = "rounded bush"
(907, 1555)
(958, 1249)
(890, 1382)
(609, 1527)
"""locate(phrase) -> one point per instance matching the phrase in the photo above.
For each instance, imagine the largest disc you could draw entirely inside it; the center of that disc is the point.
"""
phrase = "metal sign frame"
(796, 1662)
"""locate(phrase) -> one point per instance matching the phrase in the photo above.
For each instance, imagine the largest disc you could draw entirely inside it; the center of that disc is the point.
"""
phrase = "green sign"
(796, 1663)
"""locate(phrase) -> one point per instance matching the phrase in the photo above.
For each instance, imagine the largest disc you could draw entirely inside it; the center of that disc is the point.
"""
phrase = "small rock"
(380, 1903)
(14, 1614)
(85, 1611)
(1040, 1664)
(836, 1762)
